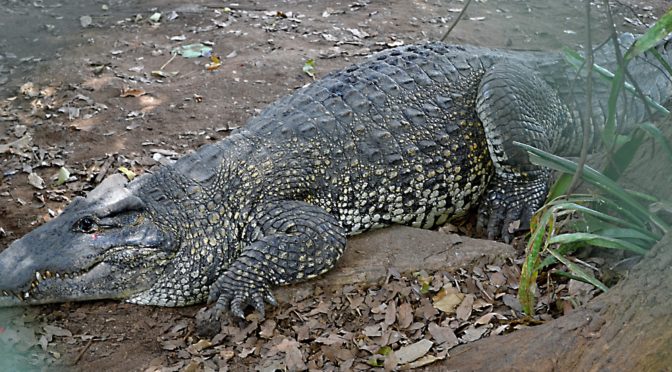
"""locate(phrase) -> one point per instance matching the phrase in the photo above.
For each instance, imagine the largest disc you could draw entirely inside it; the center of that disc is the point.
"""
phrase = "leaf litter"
(390, 325)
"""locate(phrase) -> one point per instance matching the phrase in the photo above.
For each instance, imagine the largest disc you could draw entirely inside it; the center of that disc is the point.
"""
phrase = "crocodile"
(416, 135)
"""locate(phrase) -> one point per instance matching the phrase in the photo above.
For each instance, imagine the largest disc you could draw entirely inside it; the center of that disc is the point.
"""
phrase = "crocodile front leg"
(291, 241)
(516, 105)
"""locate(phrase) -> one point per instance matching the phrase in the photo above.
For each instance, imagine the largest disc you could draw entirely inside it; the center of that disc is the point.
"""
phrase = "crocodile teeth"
(5, 293)
(38, 276)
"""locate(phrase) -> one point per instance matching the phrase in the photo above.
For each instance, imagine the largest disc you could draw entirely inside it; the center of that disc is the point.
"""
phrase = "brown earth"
(77, 116)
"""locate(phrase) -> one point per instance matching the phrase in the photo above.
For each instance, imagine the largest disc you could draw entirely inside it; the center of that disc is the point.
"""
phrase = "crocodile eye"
(86, 225)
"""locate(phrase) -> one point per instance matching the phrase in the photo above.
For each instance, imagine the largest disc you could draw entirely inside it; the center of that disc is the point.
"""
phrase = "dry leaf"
(215, 63)
(36, 181)
(373, 331)
(425, 360)
(132, 92)
(293, 358)
(487, 318)
(267, 329)
(447, 301)
(390, 313)
(405, 315)
(443, 335)
(246, 352)
(472, 333)
(12, 147)
(202, 345)
(464, 310)
(497, 279)
(172, 344)
(332, 339)
(57, 331)
(414, 351)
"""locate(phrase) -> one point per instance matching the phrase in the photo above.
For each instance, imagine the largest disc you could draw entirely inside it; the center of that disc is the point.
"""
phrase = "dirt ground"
(94, 87)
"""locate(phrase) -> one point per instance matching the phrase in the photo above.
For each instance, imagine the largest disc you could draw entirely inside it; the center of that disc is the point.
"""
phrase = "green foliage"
(612, 218)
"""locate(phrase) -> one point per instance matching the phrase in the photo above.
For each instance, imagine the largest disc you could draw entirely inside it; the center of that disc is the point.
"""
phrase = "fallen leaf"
(464, 310)
(487, 318)
(132, 92)
(499, 330)
(28, 89)
(309, 68)
(57, 331)
(332, 339)
(414, 351)
(171, 345)
(425, 360)
(193, 50)
(36, 181)
(512, 302)
(447, 302)
(267, 329)
(215, 63)
(193, 366)
(293, 357)
(63, 175)
(128, 173)
(497, 279)
(12, 147)
(202, 345)
(443, 335)
(246, 352)
(472, 333)
(373, 331)
(155, 18)
(227, 354)
(390, 313)
(358, 33)
(405, 315)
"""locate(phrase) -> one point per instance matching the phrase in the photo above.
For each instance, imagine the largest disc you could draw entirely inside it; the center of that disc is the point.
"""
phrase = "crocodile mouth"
(116, 275)
(24, 296)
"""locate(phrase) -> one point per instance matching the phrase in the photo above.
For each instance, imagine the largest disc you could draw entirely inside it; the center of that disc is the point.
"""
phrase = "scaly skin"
(415, 135)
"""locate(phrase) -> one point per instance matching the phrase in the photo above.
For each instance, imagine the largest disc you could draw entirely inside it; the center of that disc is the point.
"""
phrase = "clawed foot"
(506, 202)
(234, 295)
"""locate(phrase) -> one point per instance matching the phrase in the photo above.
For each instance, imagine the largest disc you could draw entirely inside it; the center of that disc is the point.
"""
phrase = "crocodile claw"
(506, 202)
(234, 296)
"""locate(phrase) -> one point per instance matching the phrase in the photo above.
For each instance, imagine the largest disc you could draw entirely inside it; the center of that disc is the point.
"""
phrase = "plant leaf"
(597, 240)
(652, 36)
(574, 268)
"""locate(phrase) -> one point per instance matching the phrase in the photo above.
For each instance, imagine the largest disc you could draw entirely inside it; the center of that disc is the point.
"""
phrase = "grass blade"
(576, 270)
(598, 241)
(657, 135)
(595, 178)
(577, 61)
(652, 36)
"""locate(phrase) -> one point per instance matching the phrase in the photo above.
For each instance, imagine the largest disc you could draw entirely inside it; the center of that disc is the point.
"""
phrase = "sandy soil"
(89, 100)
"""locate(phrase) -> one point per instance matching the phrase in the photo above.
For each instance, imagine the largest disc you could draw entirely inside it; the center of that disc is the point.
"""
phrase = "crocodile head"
(102, 246)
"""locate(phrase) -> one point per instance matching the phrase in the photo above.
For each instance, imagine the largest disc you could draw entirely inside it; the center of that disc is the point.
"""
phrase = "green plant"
(612, 217)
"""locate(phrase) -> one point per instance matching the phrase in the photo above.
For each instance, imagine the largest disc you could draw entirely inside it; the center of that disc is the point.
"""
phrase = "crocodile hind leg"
(290, 241)
(516, 105)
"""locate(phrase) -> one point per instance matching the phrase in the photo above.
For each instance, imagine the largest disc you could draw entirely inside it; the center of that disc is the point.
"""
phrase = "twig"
(170, 60)
(587, 122)
(81, 353)
(459, 16)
